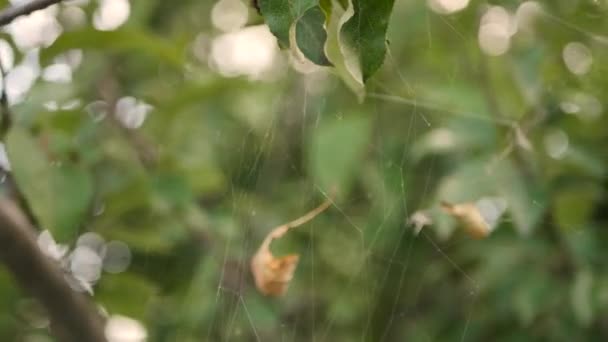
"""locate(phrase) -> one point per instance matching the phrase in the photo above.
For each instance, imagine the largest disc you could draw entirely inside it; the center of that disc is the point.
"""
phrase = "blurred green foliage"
(220, 161)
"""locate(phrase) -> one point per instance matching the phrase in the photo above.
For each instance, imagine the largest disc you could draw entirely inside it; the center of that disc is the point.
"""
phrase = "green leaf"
(334, 53)
(363, 36)
(281, 14)
(305, 19)
(120, 40)
(311, 36)
(526, 199)
(126, 294)
(72, 192)
(336, 151)
(581, 297)
(59, 195)
(326, 6)
(572, 208)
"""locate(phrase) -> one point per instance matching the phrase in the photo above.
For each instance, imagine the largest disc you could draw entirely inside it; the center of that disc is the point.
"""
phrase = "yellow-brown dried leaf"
(470, 218)
(273, 274)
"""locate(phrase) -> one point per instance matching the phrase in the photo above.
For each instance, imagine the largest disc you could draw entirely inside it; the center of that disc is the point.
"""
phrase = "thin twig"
(13, 12)
(72, 316)
(282, 229)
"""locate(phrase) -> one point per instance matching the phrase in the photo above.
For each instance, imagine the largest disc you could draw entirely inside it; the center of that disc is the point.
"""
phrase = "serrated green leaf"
(59, 195)
(311, 36)
(363, 36)
(336, 151)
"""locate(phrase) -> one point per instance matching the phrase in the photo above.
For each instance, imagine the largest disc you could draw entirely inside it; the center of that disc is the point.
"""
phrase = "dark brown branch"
(72, 316)
(11, 13)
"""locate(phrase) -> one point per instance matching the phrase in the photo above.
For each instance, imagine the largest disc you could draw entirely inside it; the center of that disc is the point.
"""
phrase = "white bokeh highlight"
(495, 31)
(526, 15)
(94, 242)
(7, 56)
(556, 143)
(229, 15)
(491, 209)
(38, 29)
(577, 57)
(111, 14)
(48, 246)
(72, 18)
(124, 329)
(131, 112)
(86, 264)
(251, 52)
(82, 268)
(583, 105)
(97, 110)
(57, 73)
(447, 6)
(118, 257)
(5, 164)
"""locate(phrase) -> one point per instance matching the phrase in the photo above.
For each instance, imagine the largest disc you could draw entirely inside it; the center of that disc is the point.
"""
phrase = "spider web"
(390, 272)
(234, 303)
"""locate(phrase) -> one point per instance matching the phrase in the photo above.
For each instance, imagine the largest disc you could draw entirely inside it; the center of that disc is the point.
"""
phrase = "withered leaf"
(470, 218)
(273, 274)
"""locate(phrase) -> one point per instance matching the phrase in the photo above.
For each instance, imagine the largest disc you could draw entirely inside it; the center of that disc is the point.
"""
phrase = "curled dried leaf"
(273, 274)
(470, 217)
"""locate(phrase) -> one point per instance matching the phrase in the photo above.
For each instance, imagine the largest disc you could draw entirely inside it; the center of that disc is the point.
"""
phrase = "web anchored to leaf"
(272, 274)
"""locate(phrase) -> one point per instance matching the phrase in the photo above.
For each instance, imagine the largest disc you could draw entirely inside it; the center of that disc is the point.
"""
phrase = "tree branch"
(73, 318)
(11, 13)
